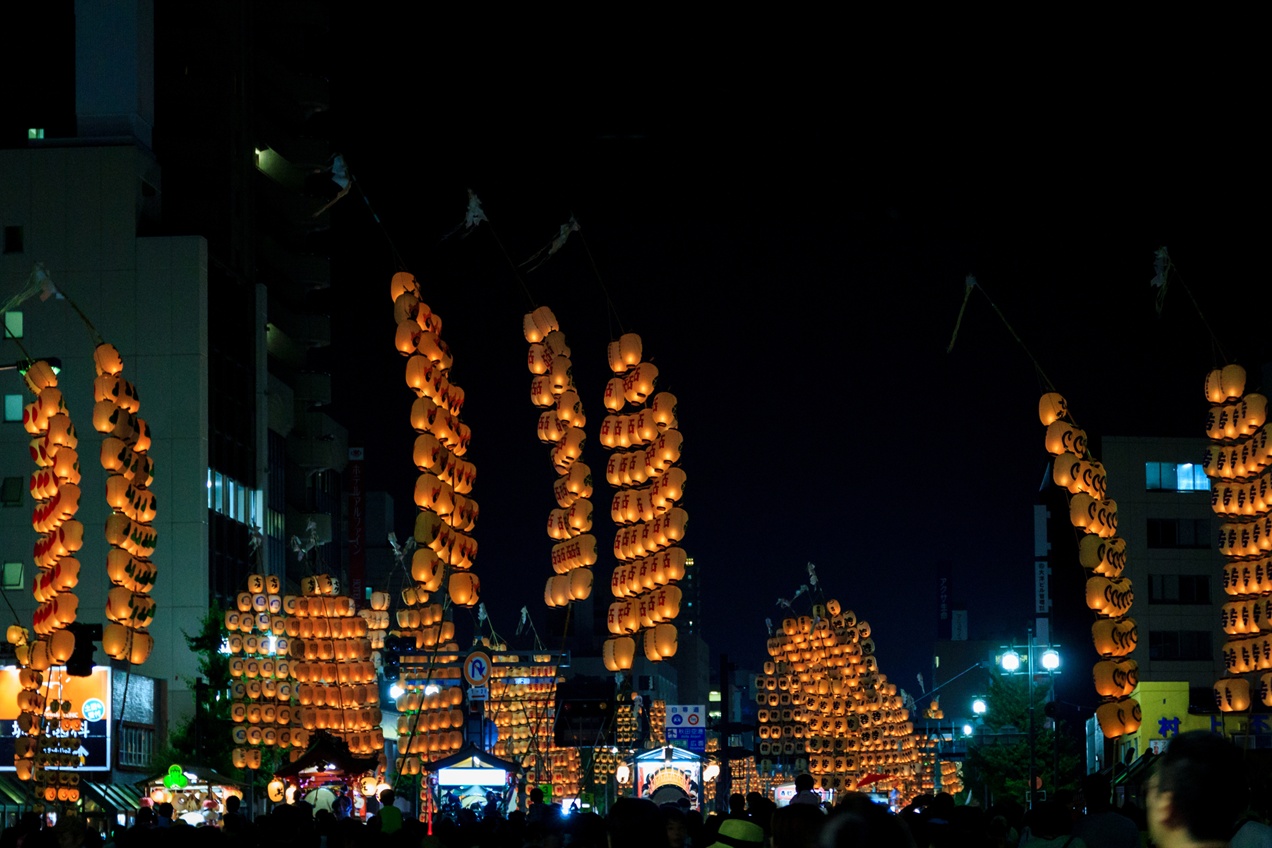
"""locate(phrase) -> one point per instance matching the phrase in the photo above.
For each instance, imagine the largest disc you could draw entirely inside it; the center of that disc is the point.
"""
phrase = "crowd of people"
(1196, 797)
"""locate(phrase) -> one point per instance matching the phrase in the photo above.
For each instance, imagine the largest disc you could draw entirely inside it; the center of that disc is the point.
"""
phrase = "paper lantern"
(1115, 679)
(624, 353)
(464, 588)
(660, 642)
(1232, 694)
(639, 383)
(1225, 383)
(618, 654)
(1114, 638)
(538, 324)
(1052, 407)
(61, 644)
(580, 584)
(1110, 598)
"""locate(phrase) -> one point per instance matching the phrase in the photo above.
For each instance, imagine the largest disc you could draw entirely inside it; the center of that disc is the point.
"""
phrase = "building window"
(1179, 589)
(35, 133)
(13, 408)
(136, 746)
(11, 491)
(13, 577)
(13, 240)
(1175, 477)
(234, 500)
(1180, 645)
(1179, 533)
(13, 324)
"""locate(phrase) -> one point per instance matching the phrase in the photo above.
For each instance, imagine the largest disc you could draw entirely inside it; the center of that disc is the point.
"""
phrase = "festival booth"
(668, 774)
(470, 777)
(193, 791)
(328, 765)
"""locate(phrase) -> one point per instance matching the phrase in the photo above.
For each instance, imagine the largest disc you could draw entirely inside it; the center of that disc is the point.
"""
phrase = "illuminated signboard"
(88, 699)
(471, 777)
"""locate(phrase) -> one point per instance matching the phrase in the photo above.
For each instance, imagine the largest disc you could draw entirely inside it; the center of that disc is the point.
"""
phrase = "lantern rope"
(611, 308)
(375, 217)
(1165, 269)
(971, 284)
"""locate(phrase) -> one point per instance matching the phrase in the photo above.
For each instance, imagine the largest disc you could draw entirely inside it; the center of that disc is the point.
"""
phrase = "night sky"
(794, 256)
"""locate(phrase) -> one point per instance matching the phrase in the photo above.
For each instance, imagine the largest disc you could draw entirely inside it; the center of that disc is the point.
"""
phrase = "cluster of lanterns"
(565, 765)
(658, 722)
(426, 623)
(52, 773)
(1239, 461)
(626, 725)
(643, 467)
(825, 707)
(447, 513)
(300, 663)
(377, 618)
(561, 426)
(1103, 553)
(130, 607)
(605, 762)
(55, 489)
(522, 703)
(262, 686)
(430, 725)
(950, 772)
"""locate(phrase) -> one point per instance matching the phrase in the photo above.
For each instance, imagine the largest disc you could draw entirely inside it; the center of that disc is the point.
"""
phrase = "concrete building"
(180, 209)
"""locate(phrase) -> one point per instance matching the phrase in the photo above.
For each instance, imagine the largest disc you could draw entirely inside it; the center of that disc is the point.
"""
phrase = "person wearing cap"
(738, 833)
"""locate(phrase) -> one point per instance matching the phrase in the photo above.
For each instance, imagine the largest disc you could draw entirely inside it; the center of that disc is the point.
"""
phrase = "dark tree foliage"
(997, 766)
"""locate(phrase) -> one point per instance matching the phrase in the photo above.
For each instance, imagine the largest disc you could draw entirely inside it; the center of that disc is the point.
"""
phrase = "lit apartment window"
(13, 324)
(13, 577)
(13, 408)
(1179, 589)
(1175, 477)
(234, 500)
(1178, 532)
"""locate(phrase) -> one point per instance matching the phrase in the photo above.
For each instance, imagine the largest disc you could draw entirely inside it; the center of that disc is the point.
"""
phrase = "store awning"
(14, 792)
(113, 796)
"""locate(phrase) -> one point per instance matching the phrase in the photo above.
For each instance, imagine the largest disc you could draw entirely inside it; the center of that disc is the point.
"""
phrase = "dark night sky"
(793, 256)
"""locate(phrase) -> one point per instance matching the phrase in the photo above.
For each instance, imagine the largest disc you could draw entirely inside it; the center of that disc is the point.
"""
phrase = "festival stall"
(193, 791)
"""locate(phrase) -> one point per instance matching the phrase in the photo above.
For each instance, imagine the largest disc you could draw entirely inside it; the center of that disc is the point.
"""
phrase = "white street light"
(1050, 659)
(979, 707)
(1010, 661)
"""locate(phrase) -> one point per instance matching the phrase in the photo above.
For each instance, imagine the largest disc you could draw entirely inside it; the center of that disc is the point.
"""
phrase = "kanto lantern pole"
(1033, 741)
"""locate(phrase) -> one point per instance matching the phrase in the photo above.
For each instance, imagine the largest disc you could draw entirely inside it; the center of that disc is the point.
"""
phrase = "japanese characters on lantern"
(561, 427)
(1102, 553)
(130, 608)
(643, 467)
(1239, 464)
(825, 707)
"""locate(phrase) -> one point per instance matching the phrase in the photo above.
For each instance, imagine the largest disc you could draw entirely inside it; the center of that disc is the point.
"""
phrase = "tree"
(998, 757)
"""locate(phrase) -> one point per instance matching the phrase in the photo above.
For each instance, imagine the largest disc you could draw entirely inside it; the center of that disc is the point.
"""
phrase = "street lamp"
(1011, 662)
(979, 707)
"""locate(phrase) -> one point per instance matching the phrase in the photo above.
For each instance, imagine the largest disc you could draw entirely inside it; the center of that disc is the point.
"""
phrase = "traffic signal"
(81, 663)
(391, 658)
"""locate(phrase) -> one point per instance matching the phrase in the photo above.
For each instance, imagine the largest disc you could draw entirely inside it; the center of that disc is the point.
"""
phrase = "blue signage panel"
(687, 727)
